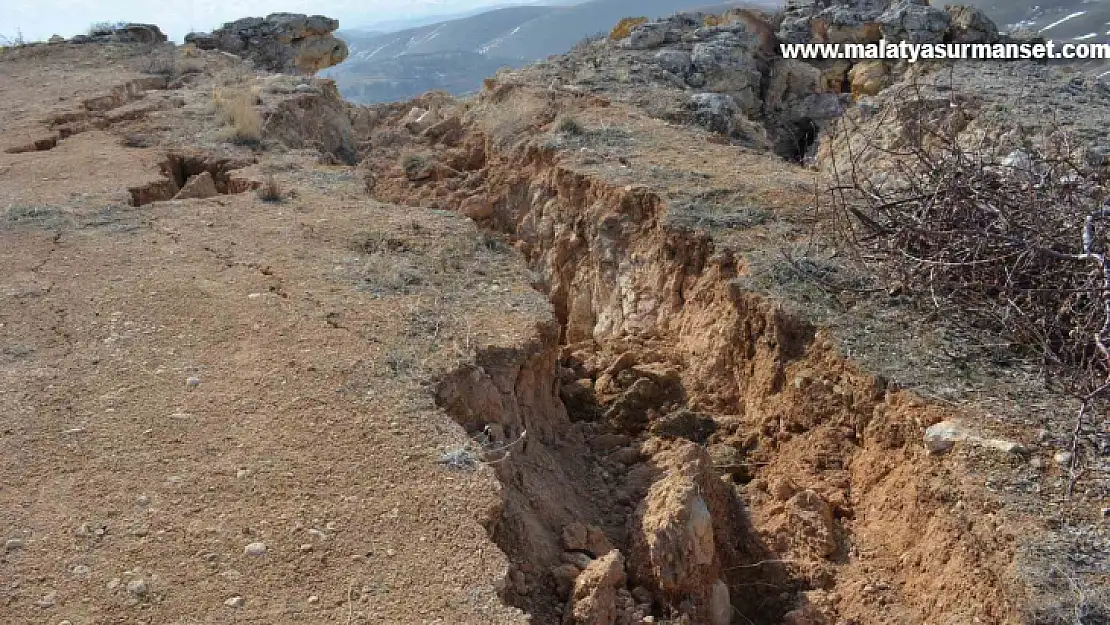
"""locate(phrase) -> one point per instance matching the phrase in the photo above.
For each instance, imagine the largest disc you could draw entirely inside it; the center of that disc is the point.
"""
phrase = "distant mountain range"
(455, 55)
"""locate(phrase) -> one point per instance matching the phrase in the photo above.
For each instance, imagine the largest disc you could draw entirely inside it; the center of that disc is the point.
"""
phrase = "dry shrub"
(235, 108)
(569, 125)
(270, 191)
(1011, 242)
(624, 27)
(516, 115)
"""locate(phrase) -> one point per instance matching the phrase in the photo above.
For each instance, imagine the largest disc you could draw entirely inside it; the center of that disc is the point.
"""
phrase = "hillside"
(456, 55)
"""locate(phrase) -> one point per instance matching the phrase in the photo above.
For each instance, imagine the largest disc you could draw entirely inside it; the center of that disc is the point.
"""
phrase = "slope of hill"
(456, 55)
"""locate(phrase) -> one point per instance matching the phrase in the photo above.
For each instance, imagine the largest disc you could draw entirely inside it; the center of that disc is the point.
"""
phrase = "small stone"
(1106, 513)
(81, 570)
(192, 382)
(242, 473)
(255, 549)
(114, 583)
(48, 600)
(138, 587)
(942, 437)
(13, 544)
(1063, 458)
(305, 548)
(234, 602)
(577, 558)
(390, 552)
(314, 599)
(574, 537)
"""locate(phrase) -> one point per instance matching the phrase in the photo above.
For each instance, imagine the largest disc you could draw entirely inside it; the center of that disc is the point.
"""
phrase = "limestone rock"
(943, 436)
(650, 35)
(289, 43)
(594, 599)
(971, 25)
(574, 537)
(674, 61)
(729, 66)
(198, 187)
(915, 23)
(869, 78)
(714, 111)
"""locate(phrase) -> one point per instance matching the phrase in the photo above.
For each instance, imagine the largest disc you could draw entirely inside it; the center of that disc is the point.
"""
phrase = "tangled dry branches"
(1013, 241)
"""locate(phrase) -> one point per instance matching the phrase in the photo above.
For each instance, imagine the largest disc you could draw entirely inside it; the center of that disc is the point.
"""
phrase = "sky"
(39, 19)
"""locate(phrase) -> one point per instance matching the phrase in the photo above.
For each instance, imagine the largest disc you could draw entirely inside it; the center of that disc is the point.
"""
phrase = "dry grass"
(236, 108)
(270, 191)
(568, 125)
(624, 27)
(510, 120)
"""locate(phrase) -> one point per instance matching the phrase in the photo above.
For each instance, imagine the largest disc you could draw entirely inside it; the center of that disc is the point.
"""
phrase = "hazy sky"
(39, 19)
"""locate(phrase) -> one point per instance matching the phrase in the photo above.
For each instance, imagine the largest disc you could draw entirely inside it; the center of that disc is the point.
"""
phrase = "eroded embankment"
(744, 470)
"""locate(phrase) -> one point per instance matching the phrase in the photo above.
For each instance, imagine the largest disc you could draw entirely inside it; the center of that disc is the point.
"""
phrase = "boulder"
(869, 78)
(915, 23)
(970, 25)
(289, 43)
(687, 534)
(714, 111)
(674, 61)
(651, 35)
(729, 66)
(594, 598)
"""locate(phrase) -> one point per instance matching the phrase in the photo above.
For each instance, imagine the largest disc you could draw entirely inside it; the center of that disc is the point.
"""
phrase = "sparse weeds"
(236, 108)
(374, 241)
(271, 190)
(416, 166)
(508, 121)
(37, 217)
(568, 125)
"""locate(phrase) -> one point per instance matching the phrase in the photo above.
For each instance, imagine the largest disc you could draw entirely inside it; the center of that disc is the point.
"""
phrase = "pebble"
(314, 599)
(114, 583)
(192, 382)
(255, 549)
(13, 544)
(49, 599)
(1063, 458)
(81, 570)
(234, 602)
(306, 547)
(138, 587)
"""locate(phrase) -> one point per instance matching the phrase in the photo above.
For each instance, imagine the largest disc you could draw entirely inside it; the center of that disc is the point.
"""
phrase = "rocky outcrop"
(865, 21)
(122, 33)
(289, 43)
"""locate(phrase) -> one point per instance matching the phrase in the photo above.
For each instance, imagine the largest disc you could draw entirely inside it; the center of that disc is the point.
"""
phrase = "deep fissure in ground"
(738, 463)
